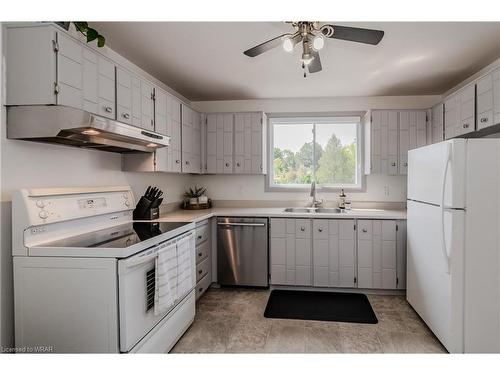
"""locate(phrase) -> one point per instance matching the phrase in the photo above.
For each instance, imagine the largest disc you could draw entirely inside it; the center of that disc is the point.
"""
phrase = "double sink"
(319, 210)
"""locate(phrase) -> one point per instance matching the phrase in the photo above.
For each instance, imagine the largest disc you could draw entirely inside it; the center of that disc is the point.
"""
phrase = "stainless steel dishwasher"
(242, 251)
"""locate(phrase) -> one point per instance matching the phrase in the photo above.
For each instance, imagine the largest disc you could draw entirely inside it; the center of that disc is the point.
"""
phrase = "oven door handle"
(137, 261)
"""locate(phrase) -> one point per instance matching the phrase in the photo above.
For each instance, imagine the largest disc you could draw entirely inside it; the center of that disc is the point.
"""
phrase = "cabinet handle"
(126, 115)
(393, 164)
(200, 272)
(177, 161)
(237, 164)
(200, 254)
(199, 237)
(465, 126)
(320, 230)
(200, 290)
(484, 119)
(227, 164)
(405, 164)
(365, 230)
(108, 109)
(302, 229)
(187, 162)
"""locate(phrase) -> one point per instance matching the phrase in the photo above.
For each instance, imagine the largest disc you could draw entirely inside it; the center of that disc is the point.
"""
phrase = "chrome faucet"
(314, 202)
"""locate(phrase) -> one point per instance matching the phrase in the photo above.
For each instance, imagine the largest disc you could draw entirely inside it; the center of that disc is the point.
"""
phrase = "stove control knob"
(40, 204)
(43, 214)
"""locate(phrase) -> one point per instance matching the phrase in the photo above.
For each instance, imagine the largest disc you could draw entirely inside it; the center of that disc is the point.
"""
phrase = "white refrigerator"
(453, 277)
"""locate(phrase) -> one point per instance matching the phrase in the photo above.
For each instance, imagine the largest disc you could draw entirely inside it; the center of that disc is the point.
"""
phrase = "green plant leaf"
(100, 41)
(92, 34)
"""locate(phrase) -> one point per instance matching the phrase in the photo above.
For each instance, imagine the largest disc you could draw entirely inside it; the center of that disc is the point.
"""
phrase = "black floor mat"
(327, 306)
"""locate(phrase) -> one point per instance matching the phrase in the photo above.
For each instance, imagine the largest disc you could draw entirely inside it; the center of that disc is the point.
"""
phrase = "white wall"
(27, 164)
(378, 188)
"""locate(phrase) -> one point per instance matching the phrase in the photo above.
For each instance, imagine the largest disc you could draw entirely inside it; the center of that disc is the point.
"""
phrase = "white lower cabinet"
(345, 253)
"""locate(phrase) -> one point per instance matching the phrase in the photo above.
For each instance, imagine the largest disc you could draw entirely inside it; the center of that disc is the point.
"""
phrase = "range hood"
(75, 127)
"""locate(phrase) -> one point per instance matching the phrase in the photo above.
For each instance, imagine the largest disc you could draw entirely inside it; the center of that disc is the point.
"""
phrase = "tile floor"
(232, 321)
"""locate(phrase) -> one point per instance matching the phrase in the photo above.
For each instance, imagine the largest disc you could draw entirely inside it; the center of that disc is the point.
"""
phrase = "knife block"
(144, 211)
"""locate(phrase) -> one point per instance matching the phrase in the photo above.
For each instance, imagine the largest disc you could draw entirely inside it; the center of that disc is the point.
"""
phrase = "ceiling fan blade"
(315, 65)
(353, 34)
(266, 46)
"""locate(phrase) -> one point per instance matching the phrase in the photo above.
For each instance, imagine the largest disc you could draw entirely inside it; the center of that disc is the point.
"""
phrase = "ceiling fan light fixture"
(307, 58)
(318, 42)
(288, 44)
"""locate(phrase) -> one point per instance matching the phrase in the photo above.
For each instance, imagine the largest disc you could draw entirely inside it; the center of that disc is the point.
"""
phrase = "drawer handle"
(200, 272)
(200, 254)
(177, 161)
(108, 109)
(393, 164)
(227, 164)
(484, 119)
(302, 229)
(126, 115)
(365, 230)
(465, 126)
(320, 230)
(199, 237)
(237, 164)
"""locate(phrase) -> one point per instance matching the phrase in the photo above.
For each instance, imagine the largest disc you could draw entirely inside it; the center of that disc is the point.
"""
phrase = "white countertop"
(199, 215)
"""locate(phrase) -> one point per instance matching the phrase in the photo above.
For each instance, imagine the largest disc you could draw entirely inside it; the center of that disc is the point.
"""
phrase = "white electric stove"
(84, 273)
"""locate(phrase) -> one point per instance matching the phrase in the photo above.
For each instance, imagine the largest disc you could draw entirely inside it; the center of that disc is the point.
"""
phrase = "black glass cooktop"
(120, 236)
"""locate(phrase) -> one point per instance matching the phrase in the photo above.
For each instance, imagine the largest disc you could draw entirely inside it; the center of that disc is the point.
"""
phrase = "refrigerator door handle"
(444, 247)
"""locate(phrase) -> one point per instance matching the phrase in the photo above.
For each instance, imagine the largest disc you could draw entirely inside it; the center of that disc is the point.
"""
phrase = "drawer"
(202, 286)
(202, 251)
(202, 234)
(202, 269)
(365, 229)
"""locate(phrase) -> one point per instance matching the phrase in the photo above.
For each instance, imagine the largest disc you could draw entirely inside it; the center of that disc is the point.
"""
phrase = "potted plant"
(192, 195)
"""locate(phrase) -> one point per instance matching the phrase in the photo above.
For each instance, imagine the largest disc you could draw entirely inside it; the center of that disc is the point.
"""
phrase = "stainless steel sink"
(314, 210)
(306, 210)
(329, 211)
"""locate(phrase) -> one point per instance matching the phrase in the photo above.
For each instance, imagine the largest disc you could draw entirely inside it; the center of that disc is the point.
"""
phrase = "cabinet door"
(196, 143)
(496, 96)
(90, 81)
(257, 143)
(211, 143)
(451, 116)
(228, 143)
(401, 254)
(70, 72)
(123, 96)
(107, 86)
(412, 134)
(467, 110)
(437, 123)
(484, 88)
(136, 101)
(278, 251)
(384, 142)
(187, 138)
(162, 155)
(347, 254)
(147, 114)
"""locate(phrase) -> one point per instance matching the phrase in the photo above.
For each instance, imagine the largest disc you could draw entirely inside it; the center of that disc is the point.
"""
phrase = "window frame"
(313, 119)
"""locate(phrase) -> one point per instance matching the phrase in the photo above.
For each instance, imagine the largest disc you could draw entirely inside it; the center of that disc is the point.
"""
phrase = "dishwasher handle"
(242, 224)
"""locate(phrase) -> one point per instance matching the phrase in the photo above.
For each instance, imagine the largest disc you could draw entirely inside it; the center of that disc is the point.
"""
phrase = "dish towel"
(186, 275)
(166, 278)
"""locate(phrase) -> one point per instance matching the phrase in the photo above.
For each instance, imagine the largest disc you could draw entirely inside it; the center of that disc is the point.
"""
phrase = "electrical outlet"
(386, 190)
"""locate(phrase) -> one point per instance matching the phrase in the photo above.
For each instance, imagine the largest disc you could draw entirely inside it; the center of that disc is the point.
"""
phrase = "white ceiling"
(204, 60)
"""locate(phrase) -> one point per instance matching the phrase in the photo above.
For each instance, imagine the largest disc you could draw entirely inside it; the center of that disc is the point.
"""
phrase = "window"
(321, 149)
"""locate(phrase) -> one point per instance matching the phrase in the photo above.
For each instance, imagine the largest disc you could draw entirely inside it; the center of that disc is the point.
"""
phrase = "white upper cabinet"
(459, 116)
(162, 155)
(391, 134)
(235, 143)
(196, 143)
(437, 123)
(484, 92)
(175, 134)
(496, 96)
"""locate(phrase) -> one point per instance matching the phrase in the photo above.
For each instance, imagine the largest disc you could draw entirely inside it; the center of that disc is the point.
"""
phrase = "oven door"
(136, 284)
(136, 278)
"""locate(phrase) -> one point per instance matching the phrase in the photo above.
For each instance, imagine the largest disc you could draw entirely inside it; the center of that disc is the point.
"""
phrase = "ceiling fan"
(312, 36)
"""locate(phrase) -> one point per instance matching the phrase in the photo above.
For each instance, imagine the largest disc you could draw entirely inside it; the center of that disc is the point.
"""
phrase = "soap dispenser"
(342, 199)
